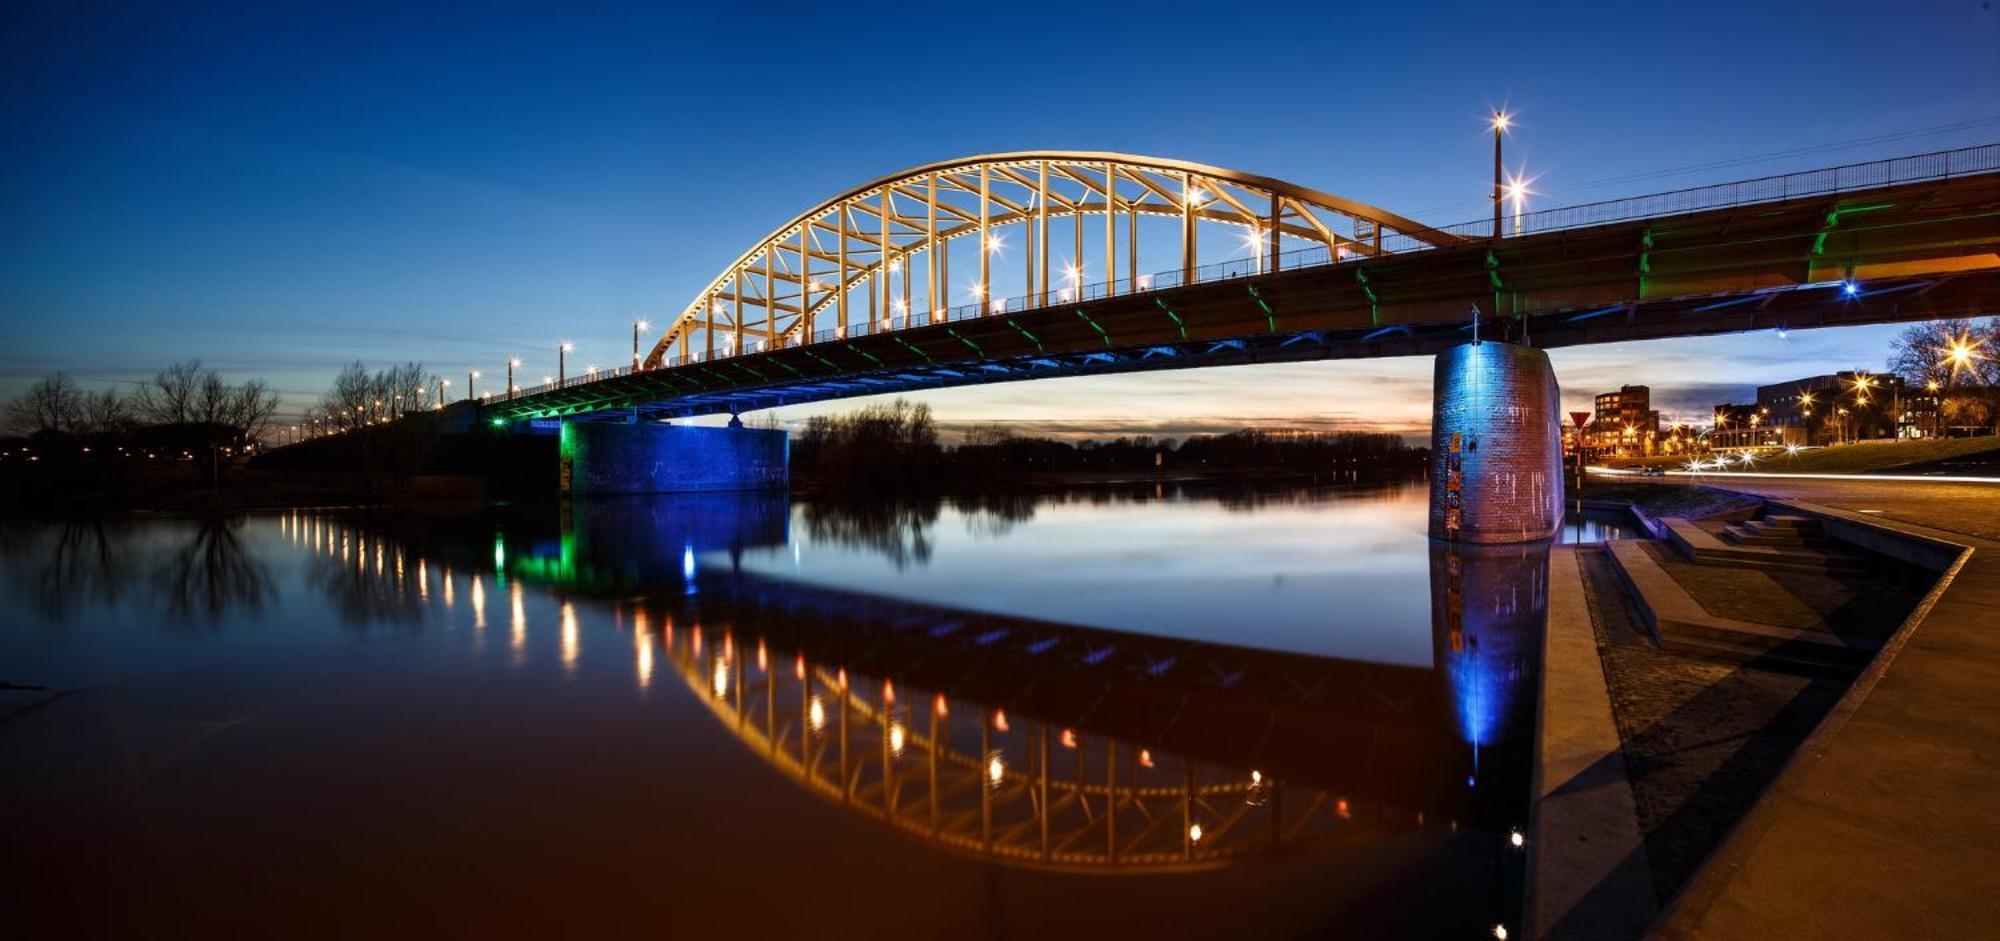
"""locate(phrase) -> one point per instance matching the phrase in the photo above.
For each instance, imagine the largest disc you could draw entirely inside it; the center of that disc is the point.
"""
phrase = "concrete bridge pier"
(1496, 445)
(646, 457)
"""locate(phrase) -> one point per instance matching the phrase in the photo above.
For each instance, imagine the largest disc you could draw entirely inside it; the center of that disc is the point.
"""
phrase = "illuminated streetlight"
(1501, 121)
(562, 351)
(1960, 353)
(1518, 193)
(637, 325)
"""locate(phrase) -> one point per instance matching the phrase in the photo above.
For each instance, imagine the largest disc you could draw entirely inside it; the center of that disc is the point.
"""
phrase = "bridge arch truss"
(1078, 225)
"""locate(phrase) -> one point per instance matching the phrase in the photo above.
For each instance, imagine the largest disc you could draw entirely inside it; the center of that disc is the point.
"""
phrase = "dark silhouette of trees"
(53, 405)
(378, 431)
(883, 448)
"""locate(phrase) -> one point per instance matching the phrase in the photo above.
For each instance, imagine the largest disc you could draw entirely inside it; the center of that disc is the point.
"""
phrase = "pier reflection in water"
(1039, 745)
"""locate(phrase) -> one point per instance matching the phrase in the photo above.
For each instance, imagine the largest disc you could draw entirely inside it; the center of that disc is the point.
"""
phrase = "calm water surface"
(1282, 714)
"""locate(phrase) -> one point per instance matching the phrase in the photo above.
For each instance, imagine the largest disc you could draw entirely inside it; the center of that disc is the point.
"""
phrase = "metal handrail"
(1944, 164)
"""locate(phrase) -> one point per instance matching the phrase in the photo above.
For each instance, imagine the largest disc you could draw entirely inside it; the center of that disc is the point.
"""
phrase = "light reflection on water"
(1296, 684)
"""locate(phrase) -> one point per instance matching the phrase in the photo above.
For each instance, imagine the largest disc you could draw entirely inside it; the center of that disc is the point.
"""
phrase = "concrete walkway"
(1885, 823)
(1588, 875)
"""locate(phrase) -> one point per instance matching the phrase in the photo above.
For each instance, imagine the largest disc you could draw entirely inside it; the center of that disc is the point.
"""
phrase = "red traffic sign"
(1578, 418)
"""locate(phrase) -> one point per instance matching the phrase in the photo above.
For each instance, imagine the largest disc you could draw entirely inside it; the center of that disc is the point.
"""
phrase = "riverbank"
(1745, 774)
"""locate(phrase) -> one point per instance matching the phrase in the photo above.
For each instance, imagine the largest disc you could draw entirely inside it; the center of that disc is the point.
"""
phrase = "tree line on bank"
(895, 448)
(184, 414)
(378, 426)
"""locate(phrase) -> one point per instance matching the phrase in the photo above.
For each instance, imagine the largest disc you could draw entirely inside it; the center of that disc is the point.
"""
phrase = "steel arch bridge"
(853, 296)
(881, 253)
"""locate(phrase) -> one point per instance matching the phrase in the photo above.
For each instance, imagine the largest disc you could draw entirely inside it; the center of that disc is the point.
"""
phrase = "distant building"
(1748, 428)
(1830, 409)
(1818, 410)
(1624, 424)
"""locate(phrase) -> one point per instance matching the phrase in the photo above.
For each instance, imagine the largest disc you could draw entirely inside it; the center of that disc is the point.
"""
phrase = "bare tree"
(1959, 357)
(106, 412)
(53, 404)
(346, 405)
(169, 397)
(249, 409)
(185, 394)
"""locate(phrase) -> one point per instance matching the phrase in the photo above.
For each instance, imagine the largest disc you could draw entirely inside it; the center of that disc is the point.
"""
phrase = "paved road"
(1972, 509)
(1884, 825)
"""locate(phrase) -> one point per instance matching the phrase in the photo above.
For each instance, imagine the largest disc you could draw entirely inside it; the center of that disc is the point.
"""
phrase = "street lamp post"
(637, 325)
(470, 375)
(442, 382)
(1500, 120)
(511, 363)
(562, 351)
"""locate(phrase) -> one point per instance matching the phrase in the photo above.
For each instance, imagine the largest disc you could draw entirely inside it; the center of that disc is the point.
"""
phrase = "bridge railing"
(1762, 190)
(1827, 181)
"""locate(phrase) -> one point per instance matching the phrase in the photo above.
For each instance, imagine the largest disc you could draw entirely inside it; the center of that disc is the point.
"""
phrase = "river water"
(1188, 713)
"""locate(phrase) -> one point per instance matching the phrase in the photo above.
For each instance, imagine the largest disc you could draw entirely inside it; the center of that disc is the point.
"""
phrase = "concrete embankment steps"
(1683, 625)
(1775, 531)
(1809, 554)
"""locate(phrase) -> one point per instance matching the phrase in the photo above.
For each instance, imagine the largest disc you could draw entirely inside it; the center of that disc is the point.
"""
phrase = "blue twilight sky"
(279, 188)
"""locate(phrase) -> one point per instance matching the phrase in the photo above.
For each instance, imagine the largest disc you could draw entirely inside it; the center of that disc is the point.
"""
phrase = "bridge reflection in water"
(1031, 743)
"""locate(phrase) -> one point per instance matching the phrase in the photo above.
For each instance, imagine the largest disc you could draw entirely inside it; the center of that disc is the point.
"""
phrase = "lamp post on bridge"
(441, 384)
(637, 325)
(562, 350)
(1500, 122)
(512, 362)
(470, 375)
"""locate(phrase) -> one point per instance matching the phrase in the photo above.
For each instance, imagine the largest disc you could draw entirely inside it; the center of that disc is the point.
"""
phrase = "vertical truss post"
(840, 278)
(1132, 248)
(805, 282)
(985, 221)
(1110, 227)
(846, 780)
(736, 289)
(1271, 234)
(770, 300)
(938, 730)
(1110, 800)
(882, 263)
(986, 784)
(1187, 227)
(1042, 743)
(931, 251)
(888, 764)
(805, 718)
(1187, 812)
(1076, 235)
(1042, 237)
